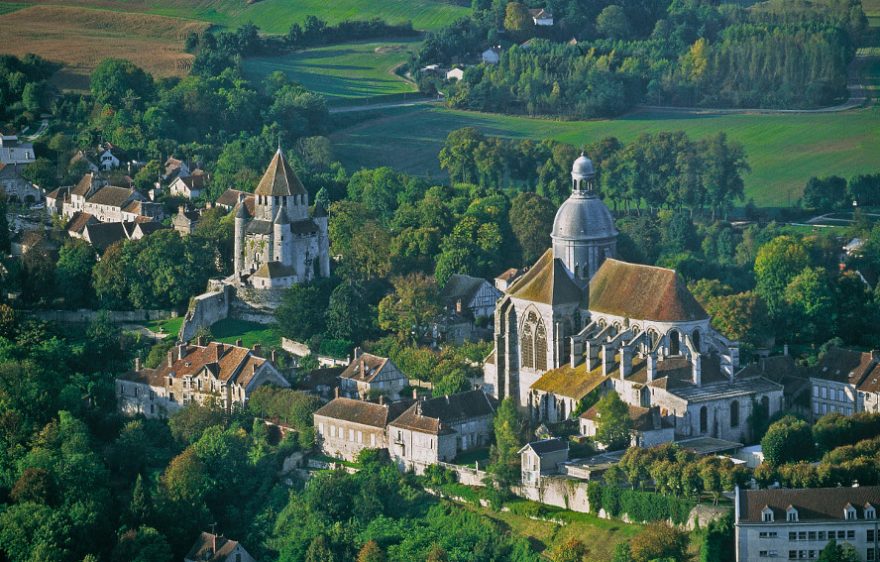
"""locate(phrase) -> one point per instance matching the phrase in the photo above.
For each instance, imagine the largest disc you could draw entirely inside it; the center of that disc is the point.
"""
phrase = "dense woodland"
(601, 58)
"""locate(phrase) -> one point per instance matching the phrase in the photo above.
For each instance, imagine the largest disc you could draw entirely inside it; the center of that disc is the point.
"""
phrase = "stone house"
(230, 199)
(344, 427)
(542, 458)
(455, 74)
(845, 381)
(185, 220)
(210, 547)
(189, 186)
(473, 295)
(438, 429)
(798, 524)
(15, 156)
(368, 376)
(174, 168)
(109, 157)
(541, 17)
(648, 426)
(217, 373)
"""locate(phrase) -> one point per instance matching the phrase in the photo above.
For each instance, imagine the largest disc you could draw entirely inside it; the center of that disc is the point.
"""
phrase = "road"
(376, 106)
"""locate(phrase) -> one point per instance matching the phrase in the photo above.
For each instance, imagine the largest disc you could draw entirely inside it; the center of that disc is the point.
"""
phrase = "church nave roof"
(548, 282)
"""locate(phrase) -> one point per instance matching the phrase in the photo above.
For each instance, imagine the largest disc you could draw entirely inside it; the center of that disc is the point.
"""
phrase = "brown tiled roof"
(134, 207)
(509, 274)
(83, 185)
(144, 376)
(78, 222)
(643, 292)
(812, 504)
(195, 181)
(570, 382)
(229, 198)
(462, 287)
(150, 227)
(203, 549)
(435, 416)
(279, 179)
(365, 368)
(59, 193)
(361, 411)
(844, 365)
(229, 363)
(548, 282)
(112, 196)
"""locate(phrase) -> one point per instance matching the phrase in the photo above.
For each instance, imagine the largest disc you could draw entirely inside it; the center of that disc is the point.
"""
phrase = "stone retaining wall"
(86, 315)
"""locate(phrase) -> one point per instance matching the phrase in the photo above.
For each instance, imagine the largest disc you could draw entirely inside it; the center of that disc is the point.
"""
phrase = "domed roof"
(583, 167)
(583, 218)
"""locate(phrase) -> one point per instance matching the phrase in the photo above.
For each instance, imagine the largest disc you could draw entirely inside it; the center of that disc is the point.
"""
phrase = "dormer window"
(870, 512)
(849, 513)
(791, 514)
(767, 515)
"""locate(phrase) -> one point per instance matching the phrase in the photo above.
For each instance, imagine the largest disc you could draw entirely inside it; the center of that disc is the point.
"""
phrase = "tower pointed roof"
(279, 179)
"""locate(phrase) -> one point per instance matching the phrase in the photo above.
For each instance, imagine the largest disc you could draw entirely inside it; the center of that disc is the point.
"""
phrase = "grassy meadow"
(80, 38)
(276, 16)
(784, 151)
(351, 70)
(250, 333)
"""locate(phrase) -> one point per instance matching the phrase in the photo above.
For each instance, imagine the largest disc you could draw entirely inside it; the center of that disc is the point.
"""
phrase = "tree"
(41, 172)
(73, 273)
(788, 440)
(188, 423)
(349, 314)
(409, 309)
(140, 510)
(115, 81)
(142, 545)
(516, 18)
(571, 550)
(810, 302)
(613, 23)
(777, 263)
(34, 485)
(371, 552)
(724, 164)
(834, 552)
(301, 314)
(531, 218)
(718, 542)
(741, 317)
(614, 423)
(504, 456)
(660, 541)
(622, 553)
(4, 225)
(826, 193)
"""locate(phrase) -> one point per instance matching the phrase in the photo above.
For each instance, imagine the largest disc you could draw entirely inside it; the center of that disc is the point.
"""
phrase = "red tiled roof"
(811, 504)
(361, 411)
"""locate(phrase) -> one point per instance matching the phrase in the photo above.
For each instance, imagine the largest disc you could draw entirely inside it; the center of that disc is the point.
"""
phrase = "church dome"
(583, 217)
(583, 167)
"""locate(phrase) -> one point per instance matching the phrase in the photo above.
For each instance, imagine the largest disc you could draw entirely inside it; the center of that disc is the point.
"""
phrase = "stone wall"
(85, 315)
(560, 492)
(204, 310)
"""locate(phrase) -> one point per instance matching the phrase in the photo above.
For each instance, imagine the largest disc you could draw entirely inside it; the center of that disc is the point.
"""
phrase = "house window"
(851, 534)
(791, 515)
(372, 439)
(351, 435)
(767, 516)
(674, 343)
(870, 512)
(734, 414)
(321, 428)
(332, 431)
(704, 420)
(360, 437)
(850, 514)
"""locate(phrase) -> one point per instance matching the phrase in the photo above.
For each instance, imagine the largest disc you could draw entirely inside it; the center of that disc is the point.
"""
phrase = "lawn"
(470, 458)
(250, 333)
(784, 151)
(276, 16)
(353, 70)
(81, 38)
(171, 326)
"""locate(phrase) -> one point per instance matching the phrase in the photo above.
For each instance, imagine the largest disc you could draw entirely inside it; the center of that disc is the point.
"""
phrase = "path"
(376, 106)
(855, 86)
(44, 124)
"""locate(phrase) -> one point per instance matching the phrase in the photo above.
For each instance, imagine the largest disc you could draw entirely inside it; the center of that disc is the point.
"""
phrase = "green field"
(230, 329)
(7, 7)
(276, 16)
(784, 151)
(354, 70)
(171, 326)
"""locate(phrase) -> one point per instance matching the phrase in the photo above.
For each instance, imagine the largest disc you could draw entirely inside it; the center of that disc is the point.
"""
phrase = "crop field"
(81, 38)
(276, 16)
(784, 151)
(352, 70)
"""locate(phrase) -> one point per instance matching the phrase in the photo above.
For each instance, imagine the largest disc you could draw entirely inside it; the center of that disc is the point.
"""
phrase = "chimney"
(181, 209)
(652, 366)
(626, 360)
(137, 363)
(200, 341)
(459, 306)
(240, 197)
(381, 399)
(181, 350)
(273, 356)
(336, 392)
(415, 394)
(213, 543)
(170, 357)
(698, 369)
(257, 349)
(238, 342)
(357, 353)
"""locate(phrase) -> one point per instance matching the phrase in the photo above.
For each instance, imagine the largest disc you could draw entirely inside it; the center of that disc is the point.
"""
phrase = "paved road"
(375, 106)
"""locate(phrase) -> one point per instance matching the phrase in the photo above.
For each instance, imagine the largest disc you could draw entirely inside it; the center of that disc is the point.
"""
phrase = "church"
(278, 243)
(580, 321)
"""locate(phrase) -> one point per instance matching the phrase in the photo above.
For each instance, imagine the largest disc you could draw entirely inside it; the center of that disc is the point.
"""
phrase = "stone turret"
(241, 219)
(282, 236)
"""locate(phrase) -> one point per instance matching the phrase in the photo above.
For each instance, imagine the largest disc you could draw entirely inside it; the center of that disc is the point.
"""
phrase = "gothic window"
(696, 339)
(734, 414)
(541, 347)
(704, 420)
(526, 348)
(674, 343)
(653, 338)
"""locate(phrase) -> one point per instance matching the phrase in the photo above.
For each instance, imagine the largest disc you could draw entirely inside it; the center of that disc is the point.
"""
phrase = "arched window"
(540, 347)
(674, 343)
(734, 414)
(704, 420)
(653, 338)
(695, 337)
(527, 348)
(615, 328)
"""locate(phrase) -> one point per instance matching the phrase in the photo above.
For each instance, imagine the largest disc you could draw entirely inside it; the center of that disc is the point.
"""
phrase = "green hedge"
(638, 505)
